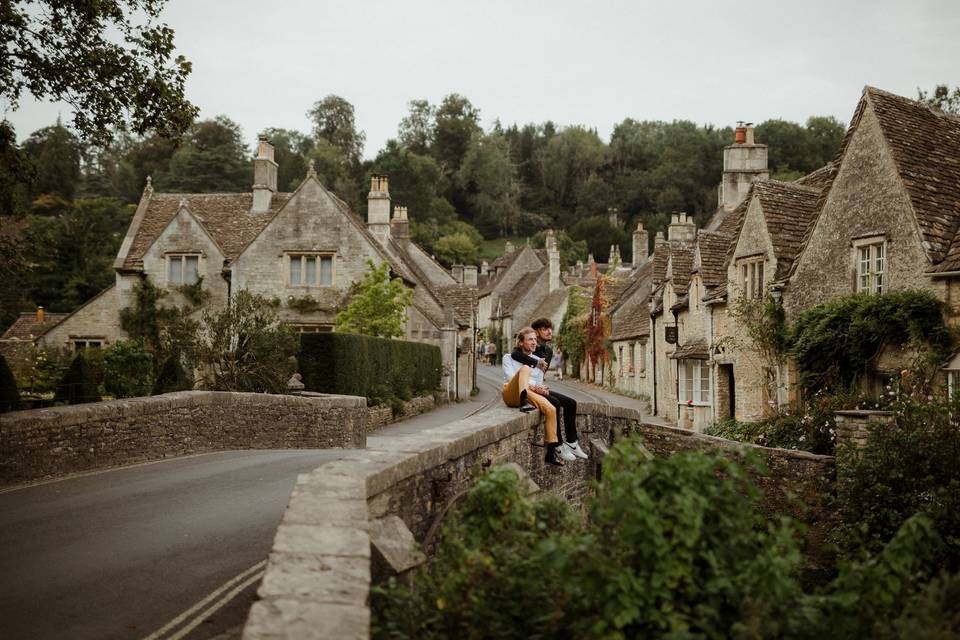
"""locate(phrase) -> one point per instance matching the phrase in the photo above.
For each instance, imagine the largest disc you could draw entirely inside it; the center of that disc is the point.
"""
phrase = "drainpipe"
(713, 370)
(653, 333)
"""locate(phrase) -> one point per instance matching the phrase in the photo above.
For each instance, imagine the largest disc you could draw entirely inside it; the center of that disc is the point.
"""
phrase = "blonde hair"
(523, 332)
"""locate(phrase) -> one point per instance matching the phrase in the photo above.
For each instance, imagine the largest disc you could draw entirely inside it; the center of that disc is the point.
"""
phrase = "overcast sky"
(592, 63)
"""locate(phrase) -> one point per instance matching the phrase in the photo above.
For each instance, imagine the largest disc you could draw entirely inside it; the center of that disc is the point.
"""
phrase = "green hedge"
(376, 368)
(9, 394)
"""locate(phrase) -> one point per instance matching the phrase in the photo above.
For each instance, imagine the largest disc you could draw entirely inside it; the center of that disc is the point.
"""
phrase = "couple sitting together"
(523, 387)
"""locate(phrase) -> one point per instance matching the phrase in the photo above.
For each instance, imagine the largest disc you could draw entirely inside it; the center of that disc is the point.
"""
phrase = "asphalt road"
(123, 553)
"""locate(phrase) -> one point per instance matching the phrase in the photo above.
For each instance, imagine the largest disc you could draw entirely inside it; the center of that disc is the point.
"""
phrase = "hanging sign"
(670, 335)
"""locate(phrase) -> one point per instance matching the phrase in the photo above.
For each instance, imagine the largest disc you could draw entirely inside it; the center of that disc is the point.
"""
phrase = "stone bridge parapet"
(61, 440)
(318, 576)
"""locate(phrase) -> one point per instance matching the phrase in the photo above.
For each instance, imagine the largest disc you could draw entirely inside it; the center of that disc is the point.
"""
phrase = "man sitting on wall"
(543, 355)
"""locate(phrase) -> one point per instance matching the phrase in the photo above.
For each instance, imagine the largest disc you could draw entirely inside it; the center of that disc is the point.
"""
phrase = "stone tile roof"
(27, 328)
(681, 257)
(520, 290)
(695, 350)
(789, 209)
(225, 216)
(463, 299)
(551, 304)
(925, 145)
(661, 255)
(682, 303)
(820, 178)
(713, 247)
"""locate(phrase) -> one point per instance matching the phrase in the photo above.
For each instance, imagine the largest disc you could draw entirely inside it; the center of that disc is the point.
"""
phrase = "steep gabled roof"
(26, 326)
(225, 217)
(819, 178)
(520, 290)
(681, 258)
(788, 210)
(925, 145)
(504, 262)
(463, 299)
(713, 247)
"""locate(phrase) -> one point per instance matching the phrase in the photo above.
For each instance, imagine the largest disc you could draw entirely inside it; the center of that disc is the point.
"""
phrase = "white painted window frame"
(301, 259)
(751, 276)
(696, 372)
(182, 258)
(870, 262)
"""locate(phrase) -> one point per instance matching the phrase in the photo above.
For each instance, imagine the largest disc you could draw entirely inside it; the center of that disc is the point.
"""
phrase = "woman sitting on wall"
(523, 387)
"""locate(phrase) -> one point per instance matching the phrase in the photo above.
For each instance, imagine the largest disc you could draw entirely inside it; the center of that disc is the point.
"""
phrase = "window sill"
(695, 404)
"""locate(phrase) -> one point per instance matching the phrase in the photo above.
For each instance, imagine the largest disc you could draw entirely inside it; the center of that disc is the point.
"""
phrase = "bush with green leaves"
(9, 393)
(834, 343)
(172, 377)
(672, 548)
(128, 369)
(80, 383)
(906, 467)
(245, 347)
(377, 305)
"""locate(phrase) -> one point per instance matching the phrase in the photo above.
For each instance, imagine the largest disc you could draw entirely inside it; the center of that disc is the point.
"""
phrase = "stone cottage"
(306, 248)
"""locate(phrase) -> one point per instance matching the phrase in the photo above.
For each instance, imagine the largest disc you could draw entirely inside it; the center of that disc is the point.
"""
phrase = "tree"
(244, 346)
(213, 158)
(79, 382)
(599, 235)
(55, 152)
(572, 156)
(941, 98)
(147, 157)
(333, 120)
(570, 250)
(417, 127)
(17, 173)
(415, 179)
(110, 60)
(9, 394)
(14, 270)
(488, 175)
(128, 369)
(377, 304)
(456, 248)
(456, 124)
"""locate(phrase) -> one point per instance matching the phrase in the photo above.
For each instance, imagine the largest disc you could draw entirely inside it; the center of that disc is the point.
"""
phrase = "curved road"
(127, 553)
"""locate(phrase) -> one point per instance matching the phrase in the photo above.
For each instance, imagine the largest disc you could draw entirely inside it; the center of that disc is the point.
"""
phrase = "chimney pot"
(740, 134)
(40, 314)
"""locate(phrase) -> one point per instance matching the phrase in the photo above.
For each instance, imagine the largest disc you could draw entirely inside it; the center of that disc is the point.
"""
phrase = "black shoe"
(526, 407)
(553, 456)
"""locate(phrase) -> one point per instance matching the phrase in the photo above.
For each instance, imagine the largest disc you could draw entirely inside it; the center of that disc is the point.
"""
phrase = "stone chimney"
(40, 315)
(641, 246)
(264, 176)
(681, 228)
(553, 262)
(484, 268)
(508, 248)
(743, 162)
(579, 271)
(470, 275)
(458, 273)
(378, 208)
(400, 224)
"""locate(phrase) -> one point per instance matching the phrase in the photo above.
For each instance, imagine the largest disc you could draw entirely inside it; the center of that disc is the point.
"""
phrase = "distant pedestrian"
(492, 352)
(556, 363)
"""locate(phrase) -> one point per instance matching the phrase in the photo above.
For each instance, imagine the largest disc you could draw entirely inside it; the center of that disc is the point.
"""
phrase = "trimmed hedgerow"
(376, 368)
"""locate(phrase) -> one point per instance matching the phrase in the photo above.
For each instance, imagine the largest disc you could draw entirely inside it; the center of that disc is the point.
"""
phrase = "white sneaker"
(566, 452)
(574, 448)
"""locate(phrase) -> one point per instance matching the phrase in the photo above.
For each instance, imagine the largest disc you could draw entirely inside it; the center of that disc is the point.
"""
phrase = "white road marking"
(216, 592)
(216, 605)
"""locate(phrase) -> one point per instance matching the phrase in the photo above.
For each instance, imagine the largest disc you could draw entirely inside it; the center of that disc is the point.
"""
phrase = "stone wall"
(379, 417)
(51, 442)
(319, 573)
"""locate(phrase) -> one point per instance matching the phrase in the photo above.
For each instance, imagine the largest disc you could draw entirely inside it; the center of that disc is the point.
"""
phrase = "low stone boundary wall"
(380, 417)
(61, 440)
(318, 575)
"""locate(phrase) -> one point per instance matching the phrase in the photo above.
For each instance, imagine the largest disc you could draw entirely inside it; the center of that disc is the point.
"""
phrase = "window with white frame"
(310, 269)
(871, 257)
(953, 382)
(751, 277)
(694, 381)
(183, 268)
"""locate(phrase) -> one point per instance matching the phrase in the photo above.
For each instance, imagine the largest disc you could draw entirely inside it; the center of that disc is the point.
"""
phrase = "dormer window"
(751, 279)
(871, 258)
(310, 269)
(183, 268)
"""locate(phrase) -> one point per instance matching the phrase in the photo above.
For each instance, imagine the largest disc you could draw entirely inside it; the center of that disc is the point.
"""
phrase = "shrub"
(244, 347)
(79, 384)
(375, 368)
(907, 467)
(834, 343)
(9, 394)
(128, 369)
(172, 377)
